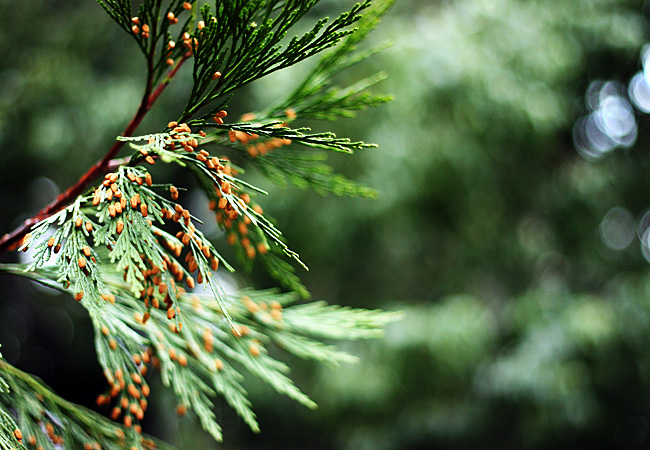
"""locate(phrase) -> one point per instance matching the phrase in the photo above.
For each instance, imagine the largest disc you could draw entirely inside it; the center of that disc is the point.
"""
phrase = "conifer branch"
(13, 239)
(232, 49)
(45, 420)
(116, 244)
(227, 192)
(316, 98)
(206, 357)
(278, 130)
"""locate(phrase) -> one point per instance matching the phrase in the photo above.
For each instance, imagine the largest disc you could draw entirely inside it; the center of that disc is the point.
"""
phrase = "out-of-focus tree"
(516, 260)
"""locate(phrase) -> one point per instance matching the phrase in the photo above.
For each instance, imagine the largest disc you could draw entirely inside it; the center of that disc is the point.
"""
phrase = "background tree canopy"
(519, 263)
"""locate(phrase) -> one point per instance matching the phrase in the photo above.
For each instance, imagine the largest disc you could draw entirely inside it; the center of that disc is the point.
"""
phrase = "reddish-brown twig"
(11, 240)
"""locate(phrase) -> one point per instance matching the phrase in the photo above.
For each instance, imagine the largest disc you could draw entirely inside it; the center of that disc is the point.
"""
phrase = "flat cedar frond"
(49, 422)
(207, 356)
(10, 435)
(316, 98)
(306, 169)
(74, 256)
(233, 49)
(229, 194)
(133, 256)
(156, 30)
(278, 130)
(331, 103)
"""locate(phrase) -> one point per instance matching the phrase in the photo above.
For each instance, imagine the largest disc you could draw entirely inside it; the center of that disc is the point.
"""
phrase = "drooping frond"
(135, 257)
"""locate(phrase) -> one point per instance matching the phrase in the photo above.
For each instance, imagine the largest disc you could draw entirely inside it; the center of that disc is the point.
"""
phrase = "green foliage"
(209, 355)
(8, 438)
(241, 41)
(117, 247)
(117, 243)
(522, 328)
(306, 170)
(48, 421)
(316, 98)
(151, 27)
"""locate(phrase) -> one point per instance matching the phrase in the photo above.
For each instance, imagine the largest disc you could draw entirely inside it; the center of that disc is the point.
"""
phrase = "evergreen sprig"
(305, 169)
(233, 49)
(76, 258)
(229, 193)
(49, 422)
(134, 257)
(278, 130)
(208, 356)
(161, 37)
(314, 98)
(317, 98)
(271, 152)
(9, 437)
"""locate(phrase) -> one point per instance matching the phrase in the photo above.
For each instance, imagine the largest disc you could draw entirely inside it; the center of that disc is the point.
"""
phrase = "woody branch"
(10, 240)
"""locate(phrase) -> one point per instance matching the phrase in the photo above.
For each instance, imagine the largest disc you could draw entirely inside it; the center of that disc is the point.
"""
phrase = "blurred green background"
(513, 239)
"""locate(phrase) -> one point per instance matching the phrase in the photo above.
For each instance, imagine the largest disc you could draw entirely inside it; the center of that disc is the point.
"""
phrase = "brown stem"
(106, 164)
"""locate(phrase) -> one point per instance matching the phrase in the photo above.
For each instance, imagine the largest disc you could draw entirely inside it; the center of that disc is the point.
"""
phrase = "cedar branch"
(11, 240)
